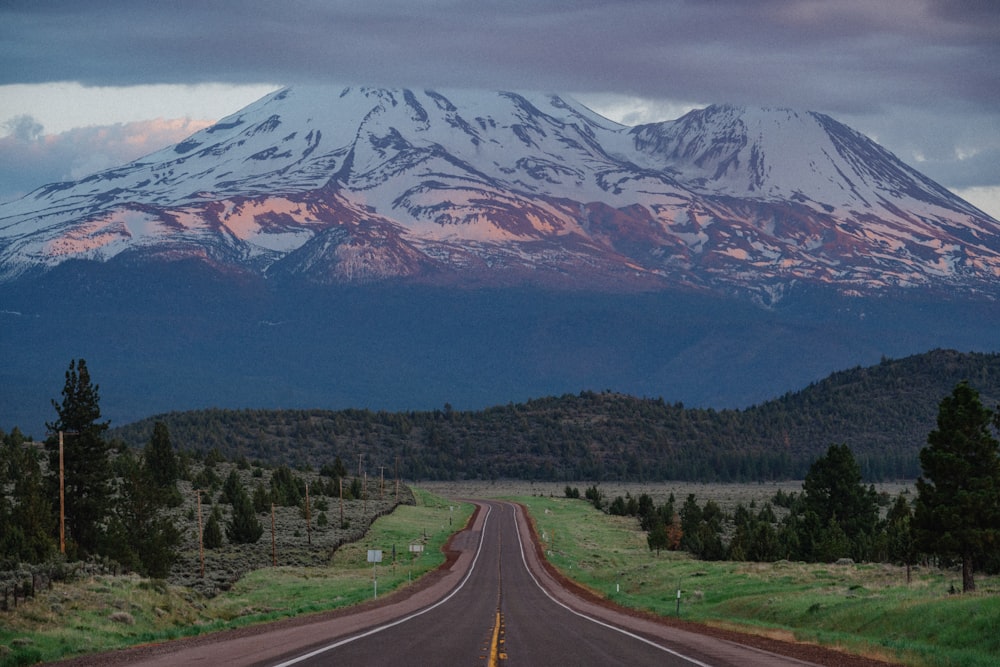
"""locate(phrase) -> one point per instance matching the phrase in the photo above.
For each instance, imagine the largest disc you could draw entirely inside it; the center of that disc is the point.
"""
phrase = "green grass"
(867, 609)
(864, 609)
(104, 613)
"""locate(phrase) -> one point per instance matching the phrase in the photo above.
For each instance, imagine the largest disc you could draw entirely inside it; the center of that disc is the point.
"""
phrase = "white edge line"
(348, 640)
(591, 618)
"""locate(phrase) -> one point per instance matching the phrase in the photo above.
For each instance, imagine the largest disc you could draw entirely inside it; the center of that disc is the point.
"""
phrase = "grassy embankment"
(863, 609)
(103, 613)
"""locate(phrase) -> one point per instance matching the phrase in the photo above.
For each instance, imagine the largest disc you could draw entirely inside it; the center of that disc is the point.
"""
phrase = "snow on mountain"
(363, 184)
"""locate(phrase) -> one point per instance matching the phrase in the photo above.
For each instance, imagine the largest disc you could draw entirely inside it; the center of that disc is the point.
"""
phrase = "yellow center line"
(496, 654)
(494, 644)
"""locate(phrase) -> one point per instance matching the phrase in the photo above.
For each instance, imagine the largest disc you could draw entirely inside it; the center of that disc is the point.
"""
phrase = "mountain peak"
(467, 187)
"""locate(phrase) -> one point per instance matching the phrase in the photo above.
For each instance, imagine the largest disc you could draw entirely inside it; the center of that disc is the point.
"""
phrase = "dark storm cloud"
(833, 55)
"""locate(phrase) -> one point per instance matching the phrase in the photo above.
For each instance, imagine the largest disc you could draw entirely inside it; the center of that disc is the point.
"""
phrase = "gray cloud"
(838, 55)
(27, 162)
(918, 74)
(24, 128)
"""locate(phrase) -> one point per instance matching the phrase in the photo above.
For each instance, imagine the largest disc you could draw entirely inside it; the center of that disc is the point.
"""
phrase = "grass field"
(102, 613)
(867, 609)
(864, 609)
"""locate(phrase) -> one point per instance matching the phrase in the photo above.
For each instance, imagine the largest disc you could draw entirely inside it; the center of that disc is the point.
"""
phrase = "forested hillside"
(883, 413)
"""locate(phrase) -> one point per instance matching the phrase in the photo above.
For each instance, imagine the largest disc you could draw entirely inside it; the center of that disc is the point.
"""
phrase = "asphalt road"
(496, 605)
(500, 614)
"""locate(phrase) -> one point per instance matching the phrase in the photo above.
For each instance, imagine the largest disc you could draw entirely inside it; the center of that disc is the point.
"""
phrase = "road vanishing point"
(496, 605)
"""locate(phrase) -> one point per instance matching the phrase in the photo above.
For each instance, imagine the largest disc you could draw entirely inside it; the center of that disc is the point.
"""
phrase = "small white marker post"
(415, 550)
(375, 557)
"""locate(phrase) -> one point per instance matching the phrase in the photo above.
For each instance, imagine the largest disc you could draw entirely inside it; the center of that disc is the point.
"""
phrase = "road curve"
(496, 605)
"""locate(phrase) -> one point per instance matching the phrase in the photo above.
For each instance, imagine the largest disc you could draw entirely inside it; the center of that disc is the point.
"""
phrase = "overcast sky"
(88, 85)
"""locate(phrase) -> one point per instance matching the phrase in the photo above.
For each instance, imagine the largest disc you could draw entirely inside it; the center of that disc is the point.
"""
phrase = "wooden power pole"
(201, 539)
(62, 497)
(274, 542)
(62, 490)
(309, 538)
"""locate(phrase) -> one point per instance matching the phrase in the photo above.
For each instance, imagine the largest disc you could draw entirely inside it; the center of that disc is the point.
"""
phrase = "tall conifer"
(88, 473)
(957, 513)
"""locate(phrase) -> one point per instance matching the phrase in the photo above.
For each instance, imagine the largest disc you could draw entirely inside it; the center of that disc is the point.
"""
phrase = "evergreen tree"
(335, 470)
(287, 490)
(840, 513)
(231, 488)
(140, 535)
(212, 534)
(957, 511)
(261, 498)
(162, 464)
(27, 520)
(658, 538)
(88, 472)
(8, 540)
(243, 526)
(900, 543)
(755, 537)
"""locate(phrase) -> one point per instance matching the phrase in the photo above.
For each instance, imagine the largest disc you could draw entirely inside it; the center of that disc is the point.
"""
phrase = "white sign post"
(375, 557)
(415, 549)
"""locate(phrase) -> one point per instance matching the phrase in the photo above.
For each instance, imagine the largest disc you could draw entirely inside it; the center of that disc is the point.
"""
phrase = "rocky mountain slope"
(399, 249)
(462, 188)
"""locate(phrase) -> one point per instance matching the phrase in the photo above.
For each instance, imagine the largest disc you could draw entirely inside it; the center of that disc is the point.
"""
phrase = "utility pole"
(381, 482)
(359, 464)
(364, 490)
(309, 537)
(274, 543)
(62, 497)
(201, 543)
(62, 491)
(341, 502)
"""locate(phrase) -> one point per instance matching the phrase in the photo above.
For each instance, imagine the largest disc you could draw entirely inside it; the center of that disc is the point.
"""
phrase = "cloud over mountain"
(29, 156)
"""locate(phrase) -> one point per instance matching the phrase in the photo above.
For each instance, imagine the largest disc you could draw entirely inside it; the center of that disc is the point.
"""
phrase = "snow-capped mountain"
(454, 188)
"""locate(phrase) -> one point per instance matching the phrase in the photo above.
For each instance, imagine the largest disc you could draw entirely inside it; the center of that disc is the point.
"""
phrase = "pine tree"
(231, 488)
(8, 540)
(88, 472)
(957, 511)
(141, 536)
(34, 511)
(286, 489)
(243, 526)
(164, 469)
(900, 544)
(27, 521)
(658, 539)
(840, 513)
(212, 535)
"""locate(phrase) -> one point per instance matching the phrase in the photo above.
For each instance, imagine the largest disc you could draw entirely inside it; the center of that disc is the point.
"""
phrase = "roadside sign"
(374, 555)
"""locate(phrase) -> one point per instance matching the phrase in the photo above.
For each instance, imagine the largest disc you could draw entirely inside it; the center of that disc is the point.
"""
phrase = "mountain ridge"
(403, 248)
(463, 186)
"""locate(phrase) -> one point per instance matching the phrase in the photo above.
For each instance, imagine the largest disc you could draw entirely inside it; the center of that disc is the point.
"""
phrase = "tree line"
(882, 413)
(953, 518)
(81, 494)
(111, 500)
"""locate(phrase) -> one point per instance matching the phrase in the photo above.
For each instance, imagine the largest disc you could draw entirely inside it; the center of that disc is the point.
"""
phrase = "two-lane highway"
(496, 605)
(500, 614)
